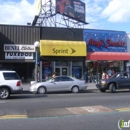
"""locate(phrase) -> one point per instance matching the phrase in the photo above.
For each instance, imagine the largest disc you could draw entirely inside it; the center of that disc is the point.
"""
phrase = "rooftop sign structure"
(59, 13)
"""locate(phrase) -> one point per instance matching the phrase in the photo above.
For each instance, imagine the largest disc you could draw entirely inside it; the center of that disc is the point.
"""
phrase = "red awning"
(108, 56)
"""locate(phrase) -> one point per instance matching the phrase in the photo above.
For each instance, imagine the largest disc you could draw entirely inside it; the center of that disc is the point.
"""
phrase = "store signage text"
(63, 51)
(19, 48)
(109, 42)
(112, 43)
(18, 55)
(56, 51)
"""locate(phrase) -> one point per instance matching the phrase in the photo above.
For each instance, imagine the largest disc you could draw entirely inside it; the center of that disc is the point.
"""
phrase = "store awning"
(108, 56)
(62, 48)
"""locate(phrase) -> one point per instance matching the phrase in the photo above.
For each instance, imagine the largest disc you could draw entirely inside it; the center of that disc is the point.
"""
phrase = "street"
(87, 110)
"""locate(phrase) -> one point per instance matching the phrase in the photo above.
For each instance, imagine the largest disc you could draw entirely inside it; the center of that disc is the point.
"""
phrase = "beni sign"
(18, 48)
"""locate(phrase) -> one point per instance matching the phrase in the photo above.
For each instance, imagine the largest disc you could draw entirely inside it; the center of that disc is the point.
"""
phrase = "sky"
(100, 14)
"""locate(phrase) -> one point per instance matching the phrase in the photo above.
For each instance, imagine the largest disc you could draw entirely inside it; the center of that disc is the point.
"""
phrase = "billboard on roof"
(71, 8)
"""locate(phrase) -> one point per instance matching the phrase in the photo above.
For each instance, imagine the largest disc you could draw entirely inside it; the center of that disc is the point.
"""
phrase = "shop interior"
(95, 69)
(70, 68)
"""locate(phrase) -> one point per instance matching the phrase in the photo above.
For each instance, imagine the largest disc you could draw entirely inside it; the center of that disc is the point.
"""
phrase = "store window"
(95, 69)
(77, 68)
(61, 63)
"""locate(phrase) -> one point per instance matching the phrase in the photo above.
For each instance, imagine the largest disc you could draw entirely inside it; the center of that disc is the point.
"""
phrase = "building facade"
(81, 53)
(17, 49)
(63, 51)
(107, 51)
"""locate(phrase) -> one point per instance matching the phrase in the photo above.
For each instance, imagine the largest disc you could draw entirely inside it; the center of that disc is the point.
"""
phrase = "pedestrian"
(54, 74)
(103, 75)
(47, 76)
(109, 72)
(107, 76)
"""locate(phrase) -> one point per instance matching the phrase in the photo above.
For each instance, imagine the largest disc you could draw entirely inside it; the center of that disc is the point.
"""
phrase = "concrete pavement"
(90, 86)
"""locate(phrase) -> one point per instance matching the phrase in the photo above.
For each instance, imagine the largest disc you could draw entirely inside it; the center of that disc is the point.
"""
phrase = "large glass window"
(77, 68)
(95, 69)
(61, 63)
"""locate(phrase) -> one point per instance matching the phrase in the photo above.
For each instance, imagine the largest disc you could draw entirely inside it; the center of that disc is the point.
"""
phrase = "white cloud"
(16, 13)
(117, 11)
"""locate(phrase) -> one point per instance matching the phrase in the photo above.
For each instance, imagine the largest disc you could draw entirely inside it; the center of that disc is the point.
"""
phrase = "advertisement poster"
(71, 8)
(105, 41)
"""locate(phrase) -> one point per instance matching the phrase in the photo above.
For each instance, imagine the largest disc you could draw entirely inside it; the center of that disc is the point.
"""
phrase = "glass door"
(64, 71)
(61, 71)
(58, 71)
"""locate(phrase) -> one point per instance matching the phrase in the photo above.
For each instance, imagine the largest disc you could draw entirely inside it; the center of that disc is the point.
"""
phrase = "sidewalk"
(90, 86)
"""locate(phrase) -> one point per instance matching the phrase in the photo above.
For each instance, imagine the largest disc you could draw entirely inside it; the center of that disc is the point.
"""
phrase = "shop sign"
(18, 55)
(62, 48)
(63, 51)
(105, 41)
(18, 48)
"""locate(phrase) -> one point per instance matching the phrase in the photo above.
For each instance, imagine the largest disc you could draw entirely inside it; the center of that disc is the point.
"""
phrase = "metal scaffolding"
(49, 18)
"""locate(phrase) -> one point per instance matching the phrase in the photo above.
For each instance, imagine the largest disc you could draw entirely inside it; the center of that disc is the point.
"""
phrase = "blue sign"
(105, 41)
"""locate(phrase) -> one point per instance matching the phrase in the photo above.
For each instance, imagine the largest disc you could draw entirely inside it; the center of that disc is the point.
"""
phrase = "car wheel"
(112, 88)
(41, 90)
(75, 89)
(4, 93)
(102, 90)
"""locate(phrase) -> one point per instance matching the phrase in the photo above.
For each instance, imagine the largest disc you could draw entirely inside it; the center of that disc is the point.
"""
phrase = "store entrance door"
(61, 70)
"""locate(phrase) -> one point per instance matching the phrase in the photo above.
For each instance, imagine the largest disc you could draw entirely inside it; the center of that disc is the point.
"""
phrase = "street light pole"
(36, 44)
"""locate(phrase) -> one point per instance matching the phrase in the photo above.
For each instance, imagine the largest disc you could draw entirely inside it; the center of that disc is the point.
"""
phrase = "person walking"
(54, 74)
(103, 75)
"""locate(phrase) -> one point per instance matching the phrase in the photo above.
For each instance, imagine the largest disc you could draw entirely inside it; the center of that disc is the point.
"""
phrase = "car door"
(127, 80)
(124, 80)
(66, 83)
(54, 84)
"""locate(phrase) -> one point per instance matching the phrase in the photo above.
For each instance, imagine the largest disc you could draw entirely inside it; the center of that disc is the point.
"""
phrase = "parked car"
(59, 83)
(119, 80)
(10, 83)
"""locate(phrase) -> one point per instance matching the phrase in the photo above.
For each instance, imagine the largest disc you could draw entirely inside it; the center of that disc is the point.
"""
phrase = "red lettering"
(96, 43)
(112, 43)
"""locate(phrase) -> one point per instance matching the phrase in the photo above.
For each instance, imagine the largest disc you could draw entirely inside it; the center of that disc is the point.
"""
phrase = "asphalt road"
(87, 110)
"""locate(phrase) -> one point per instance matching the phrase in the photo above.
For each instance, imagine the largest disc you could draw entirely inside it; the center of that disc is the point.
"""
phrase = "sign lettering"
(18, 55)
(57, 51)
(18, 48)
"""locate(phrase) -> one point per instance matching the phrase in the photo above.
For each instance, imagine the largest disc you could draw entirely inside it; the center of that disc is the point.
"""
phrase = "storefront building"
(62, 50)
(17, 51)
(63, 58)
(107, 50)
(75, 52)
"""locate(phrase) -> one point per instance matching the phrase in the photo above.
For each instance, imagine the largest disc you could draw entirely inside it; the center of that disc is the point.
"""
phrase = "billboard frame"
(49, 18)
(61, 9)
